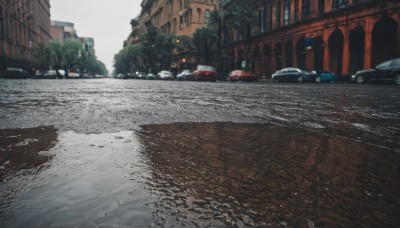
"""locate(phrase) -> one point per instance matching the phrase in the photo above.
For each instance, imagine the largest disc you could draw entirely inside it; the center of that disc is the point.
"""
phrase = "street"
(135, 153)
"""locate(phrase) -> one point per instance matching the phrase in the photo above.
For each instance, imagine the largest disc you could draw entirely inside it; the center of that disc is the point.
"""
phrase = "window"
(278, 13)
(305, 9)
(261, 17)
(268, 16)
(286, 12)
(207, 15)
(321, 7)
(338, 4)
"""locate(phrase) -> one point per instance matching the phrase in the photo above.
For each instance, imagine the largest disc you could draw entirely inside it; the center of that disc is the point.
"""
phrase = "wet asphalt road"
(311, 155)
(369, 113)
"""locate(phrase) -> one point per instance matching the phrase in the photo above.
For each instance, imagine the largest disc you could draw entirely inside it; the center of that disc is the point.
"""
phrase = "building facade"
(23, 23)
(62, 30)
(341, 36)
(173, 17)
(180, 17)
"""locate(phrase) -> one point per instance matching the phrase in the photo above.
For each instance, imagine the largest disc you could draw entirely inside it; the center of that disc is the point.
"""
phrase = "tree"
(205, 41)
(127, 59)
(72, 52)
(68, 56)
(157, 49)
(42, 54)
(242, 19)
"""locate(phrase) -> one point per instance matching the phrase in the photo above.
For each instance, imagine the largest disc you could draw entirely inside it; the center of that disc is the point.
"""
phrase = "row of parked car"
(202, 73)
(388, 71)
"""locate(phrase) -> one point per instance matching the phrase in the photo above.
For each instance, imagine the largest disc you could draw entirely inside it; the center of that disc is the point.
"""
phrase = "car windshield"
(383, 65)
(395, 62)
(203, 67)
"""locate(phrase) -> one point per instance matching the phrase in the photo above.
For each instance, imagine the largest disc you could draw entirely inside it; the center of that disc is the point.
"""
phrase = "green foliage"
(70, 56)
(153, 54)
(127, 59)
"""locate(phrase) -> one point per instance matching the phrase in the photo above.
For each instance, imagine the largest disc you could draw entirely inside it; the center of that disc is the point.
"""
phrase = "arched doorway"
(267, 60)
(384, 41)
(318, 47)
(289, 54)
(278, 56)
(357, 49)
(256, 63)
(336, 41)
(301, 54)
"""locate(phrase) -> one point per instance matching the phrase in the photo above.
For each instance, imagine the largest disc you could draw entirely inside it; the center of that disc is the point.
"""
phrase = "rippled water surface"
(93, 180)
(115, 153)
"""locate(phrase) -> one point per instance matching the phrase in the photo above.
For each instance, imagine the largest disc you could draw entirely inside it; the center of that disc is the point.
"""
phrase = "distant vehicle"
(50, 74)
(141, 75)
(151, 76)
(242, 75)
(165, 75)
(388, 71)
(16, 73)
(292, 74)
(73, 75)
(205, 73)
(185, 75)
(325, 76)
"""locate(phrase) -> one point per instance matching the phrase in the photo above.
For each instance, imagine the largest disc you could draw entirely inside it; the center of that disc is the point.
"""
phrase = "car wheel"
(397, 79)
(318, 80)
(360, 79)
(300, 79)
(275, 80)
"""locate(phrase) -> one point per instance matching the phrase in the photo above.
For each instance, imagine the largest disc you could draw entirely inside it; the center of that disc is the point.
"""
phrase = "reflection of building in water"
(341, 36)
(257, 174)
(23, 24)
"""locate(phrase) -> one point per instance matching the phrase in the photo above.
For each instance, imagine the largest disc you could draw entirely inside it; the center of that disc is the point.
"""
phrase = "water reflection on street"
(206, 175)
(93, 180)
(113, 153)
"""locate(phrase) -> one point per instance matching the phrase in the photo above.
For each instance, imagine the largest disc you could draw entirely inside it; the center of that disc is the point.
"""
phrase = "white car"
(165, 75)
(185, 75)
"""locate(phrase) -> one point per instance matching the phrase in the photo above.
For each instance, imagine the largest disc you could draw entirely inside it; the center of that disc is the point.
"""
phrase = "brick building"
(341, 36)
(23, 23)
(62, 30)
(178, 17)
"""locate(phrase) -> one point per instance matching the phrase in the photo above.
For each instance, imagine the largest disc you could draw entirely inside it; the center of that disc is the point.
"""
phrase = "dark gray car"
(292, 74)
(388, 71)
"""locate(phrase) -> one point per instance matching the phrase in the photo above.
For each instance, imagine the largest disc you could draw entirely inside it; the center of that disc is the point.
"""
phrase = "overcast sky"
(108, 22)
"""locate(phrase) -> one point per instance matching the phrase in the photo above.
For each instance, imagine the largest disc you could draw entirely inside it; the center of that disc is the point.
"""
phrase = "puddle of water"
(264, 175)
(93, 180)
(206, 175)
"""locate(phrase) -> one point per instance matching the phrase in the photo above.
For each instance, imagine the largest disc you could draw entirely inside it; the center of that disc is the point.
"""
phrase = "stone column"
(346, 55)
(368, 27)
(325, 36)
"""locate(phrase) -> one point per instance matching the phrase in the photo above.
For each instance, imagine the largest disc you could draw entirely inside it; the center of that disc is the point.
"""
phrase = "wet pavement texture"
(128, 153)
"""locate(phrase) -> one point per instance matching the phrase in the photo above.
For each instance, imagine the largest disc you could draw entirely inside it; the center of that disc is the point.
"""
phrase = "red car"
(242, 75)
(205, 73)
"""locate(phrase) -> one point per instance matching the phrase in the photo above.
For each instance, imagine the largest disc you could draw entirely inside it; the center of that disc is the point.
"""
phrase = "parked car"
(388, 71)
(165, 75)
(292, 74)
(205, 73)
(73, 75)
(151, 76)
(242, 75)
(16, 73)
(185, 75)
(141, 75)
(325, 76)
